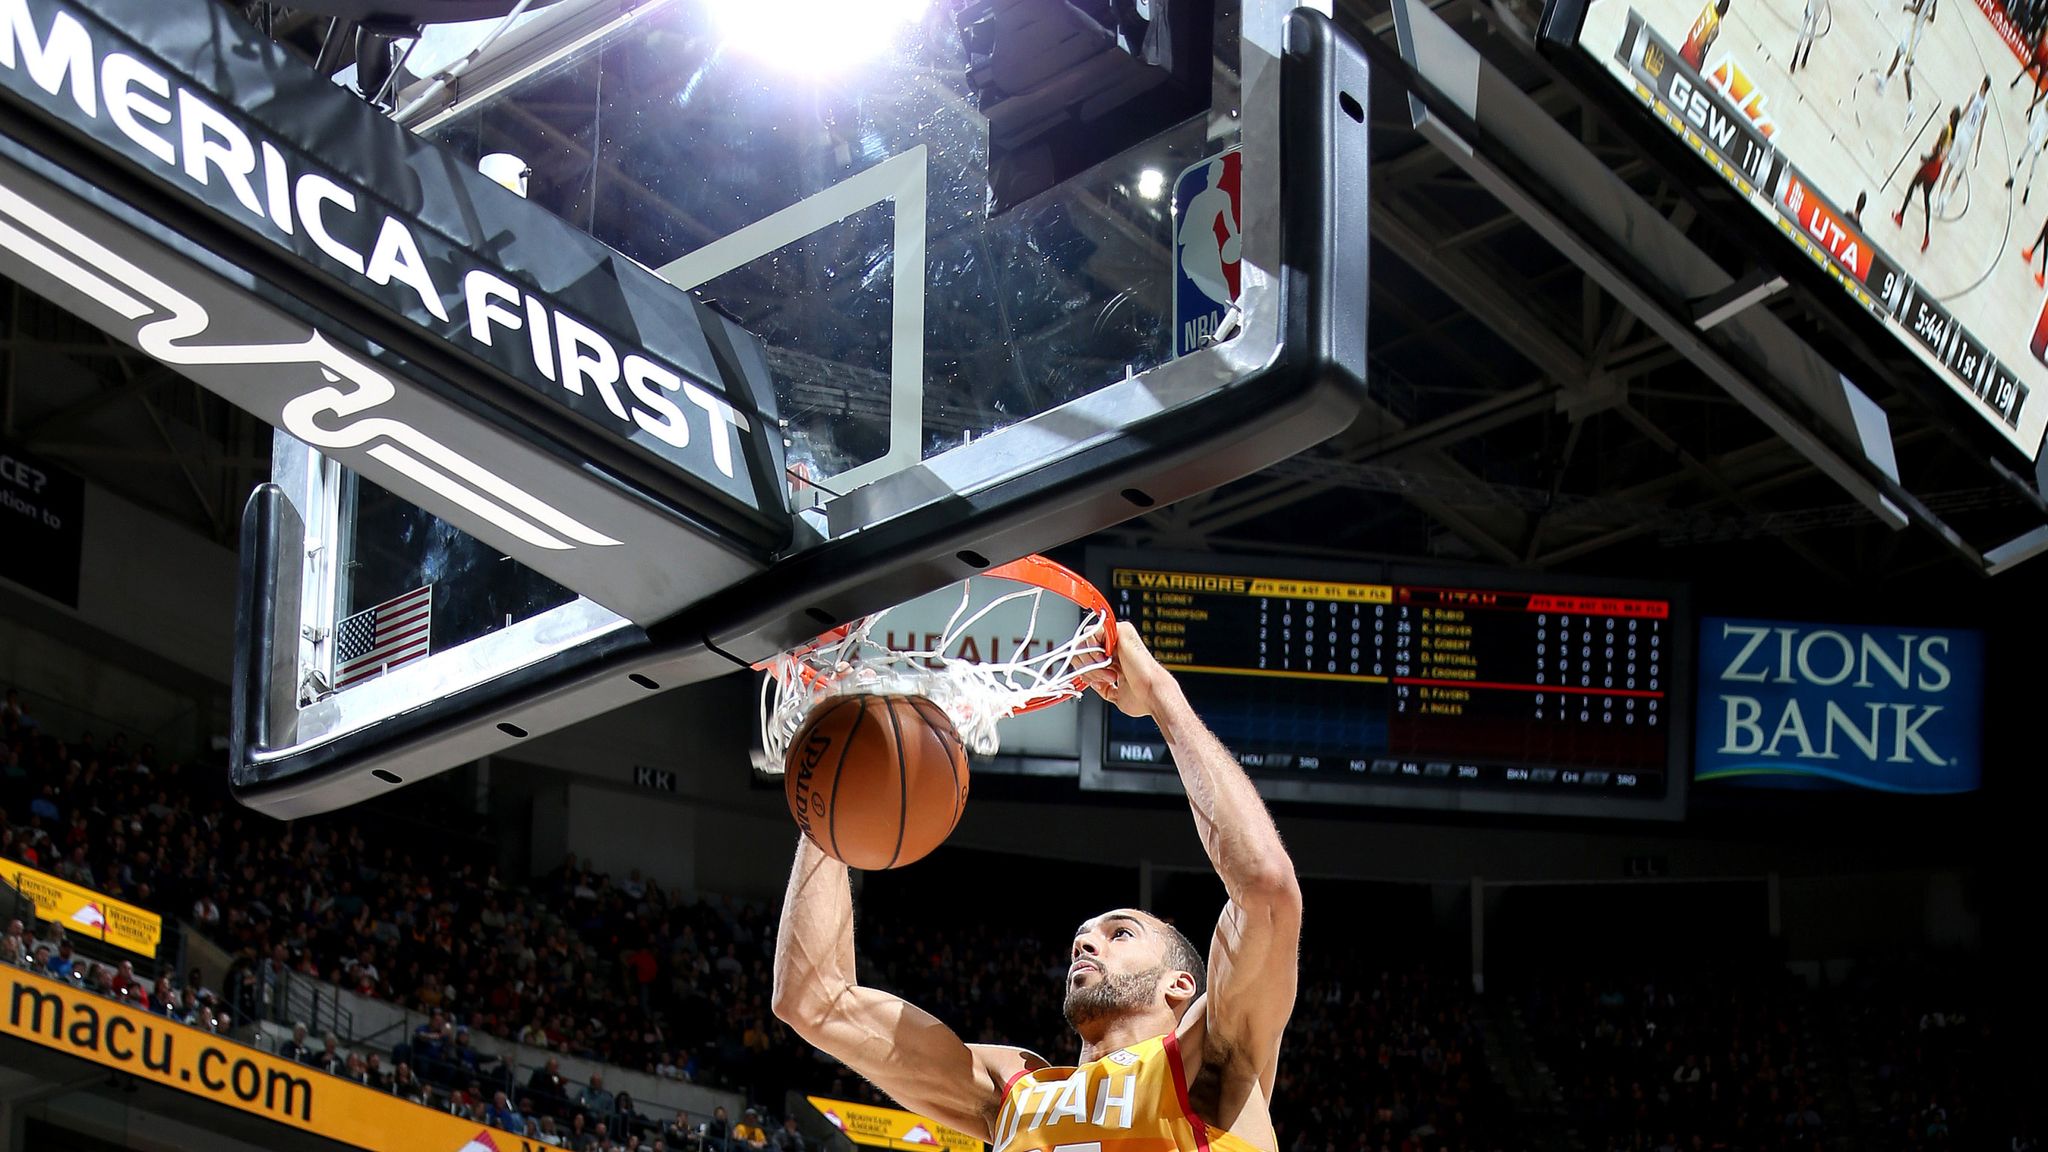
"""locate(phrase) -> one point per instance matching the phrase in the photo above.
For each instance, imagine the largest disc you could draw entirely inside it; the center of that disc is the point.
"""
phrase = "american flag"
(393, 633)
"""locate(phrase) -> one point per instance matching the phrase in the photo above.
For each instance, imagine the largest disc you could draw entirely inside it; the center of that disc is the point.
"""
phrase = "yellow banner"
(84, 910)
(149, 1047)
(891, 1128)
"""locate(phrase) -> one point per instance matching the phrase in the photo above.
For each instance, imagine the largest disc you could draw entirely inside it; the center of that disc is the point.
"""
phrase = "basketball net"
(974, 694)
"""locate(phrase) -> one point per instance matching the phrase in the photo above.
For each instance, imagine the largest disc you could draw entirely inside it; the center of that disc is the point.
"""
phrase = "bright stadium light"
(1151, 183)
(814, 37)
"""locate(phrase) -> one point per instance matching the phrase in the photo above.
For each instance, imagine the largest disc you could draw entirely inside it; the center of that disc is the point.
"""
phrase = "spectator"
(599, 1103)
(502, 1115)
(407, 1086)
(295, 1049)
(550, 1092)
(788, 1139)
(467, 1101)
(548, 1134)
(717, 1132)
(61, 961)
(14, 947)
(629, 1116)
(748, 1133)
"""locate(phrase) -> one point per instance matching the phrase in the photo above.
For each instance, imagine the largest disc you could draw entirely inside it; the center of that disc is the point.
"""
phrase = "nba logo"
(1206, 244)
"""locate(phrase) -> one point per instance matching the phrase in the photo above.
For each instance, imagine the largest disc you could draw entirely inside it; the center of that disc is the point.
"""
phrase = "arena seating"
(1378, 1058)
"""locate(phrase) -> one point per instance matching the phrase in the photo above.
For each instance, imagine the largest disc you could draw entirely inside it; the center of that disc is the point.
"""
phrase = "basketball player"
(2037, 140)
(1923, 182)
(1818, 14)
(1705, 31)
(1969, 136)
(1171, 1059)
(2035, 69)
(1923, 15)
(2040, 245)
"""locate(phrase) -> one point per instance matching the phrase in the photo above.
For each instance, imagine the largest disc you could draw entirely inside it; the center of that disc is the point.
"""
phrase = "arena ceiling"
(1522, 417)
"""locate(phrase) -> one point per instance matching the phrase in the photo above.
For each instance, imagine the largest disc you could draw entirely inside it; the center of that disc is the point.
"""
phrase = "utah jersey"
(1132, 1100)
(1705, 31)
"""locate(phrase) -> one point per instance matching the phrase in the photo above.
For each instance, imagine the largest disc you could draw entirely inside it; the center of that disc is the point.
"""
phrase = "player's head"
(1987, 85)
(1955, 116)
(1125, 962)
(1721, 9)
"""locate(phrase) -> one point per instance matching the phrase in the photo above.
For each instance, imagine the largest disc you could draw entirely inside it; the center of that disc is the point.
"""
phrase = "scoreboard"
(1406, 686)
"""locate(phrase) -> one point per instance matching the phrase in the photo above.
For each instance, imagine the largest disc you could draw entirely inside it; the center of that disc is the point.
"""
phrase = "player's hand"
(1134, 681)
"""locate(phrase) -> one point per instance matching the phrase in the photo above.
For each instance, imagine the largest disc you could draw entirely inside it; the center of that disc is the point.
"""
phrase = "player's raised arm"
(902, 1049)
(1253, 958)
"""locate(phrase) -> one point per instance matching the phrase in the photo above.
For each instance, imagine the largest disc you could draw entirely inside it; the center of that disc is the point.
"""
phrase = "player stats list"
(1416, 683)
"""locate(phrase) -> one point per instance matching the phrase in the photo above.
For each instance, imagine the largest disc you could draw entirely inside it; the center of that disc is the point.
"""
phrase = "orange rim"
(1034, 570)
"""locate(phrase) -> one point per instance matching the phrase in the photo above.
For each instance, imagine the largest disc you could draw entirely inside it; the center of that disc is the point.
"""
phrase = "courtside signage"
(149, 1047)
(1889, 709)
(83, 911)
(892, 1128)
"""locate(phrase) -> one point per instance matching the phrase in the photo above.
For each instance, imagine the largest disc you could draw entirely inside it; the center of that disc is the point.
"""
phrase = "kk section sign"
(1813, 705)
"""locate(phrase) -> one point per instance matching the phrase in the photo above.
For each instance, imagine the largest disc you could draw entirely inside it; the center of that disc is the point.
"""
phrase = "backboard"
(810, 307)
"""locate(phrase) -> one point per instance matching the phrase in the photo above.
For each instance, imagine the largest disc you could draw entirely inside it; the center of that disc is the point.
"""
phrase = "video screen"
(1897, 143)
(1410, 686)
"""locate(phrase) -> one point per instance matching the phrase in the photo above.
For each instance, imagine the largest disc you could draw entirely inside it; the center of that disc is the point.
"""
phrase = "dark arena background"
(1606, 537)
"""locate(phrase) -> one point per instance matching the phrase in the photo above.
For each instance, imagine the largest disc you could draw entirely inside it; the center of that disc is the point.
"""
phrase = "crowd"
(1895, 1056)
(621, 971)
(2030, 17)
(1682, 1062)
(1933, 1073)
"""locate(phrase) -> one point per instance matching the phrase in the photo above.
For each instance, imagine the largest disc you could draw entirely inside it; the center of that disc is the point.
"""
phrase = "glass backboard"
(940, 217)
(668, 335)
(1016, 270)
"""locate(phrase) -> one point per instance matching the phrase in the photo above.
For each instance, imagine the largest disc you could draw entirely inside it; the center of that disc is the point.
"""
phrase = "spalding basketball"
(877, 781)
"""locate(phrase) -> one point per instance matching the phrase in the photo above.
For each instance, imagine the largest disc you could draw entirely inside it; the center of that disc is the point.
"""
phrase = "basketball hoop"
(974, 695)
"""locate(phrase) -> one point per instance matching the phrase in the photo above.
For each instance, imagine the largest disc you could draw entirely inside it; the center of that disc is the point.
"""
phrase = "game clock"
(1406, 686)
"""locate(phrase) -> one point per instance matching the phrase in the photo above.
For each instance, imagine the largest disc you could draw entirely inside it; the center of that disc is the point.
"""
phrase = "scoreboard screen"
(1883, 143)
(1407, 687)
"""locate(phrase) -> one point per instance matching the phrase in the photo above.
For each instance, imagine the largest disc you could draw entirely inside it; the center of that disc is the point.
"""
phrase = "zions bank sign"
(1892, 709)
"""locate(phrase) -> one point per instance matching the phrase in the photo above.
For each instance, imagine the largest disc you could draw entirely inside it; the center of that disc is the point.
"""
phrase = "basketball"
(877, 781)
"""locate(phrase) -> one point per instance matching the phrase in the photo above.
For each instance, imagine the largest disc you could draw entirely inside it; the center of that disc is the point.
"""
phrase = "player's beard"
(1113, 995)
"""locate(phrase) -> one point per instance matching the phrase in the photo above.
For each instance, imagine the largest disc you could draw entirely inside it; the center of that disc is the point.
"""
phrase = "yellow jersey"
(1133, 1100)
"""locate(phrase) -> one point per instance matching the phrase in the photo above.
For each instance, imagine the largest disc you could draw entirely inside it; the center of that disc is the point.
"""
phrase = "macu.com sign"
(1894, 709)
(54, 1015)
